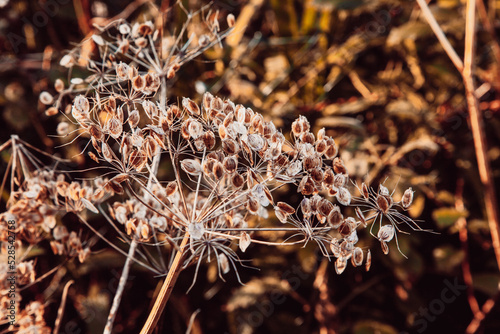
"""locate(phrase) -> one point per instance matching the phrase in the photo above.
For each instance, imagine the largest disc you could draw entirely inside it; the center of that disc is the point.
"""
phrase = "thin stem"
(426, 12)
(121, 287)
(477, 127)
(166, 289)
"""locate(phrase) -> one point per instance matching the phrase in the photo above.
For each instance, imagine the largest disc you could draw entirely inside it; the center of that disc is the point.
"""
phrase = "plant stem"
(477, 127)
(166, 289)
(121, 287)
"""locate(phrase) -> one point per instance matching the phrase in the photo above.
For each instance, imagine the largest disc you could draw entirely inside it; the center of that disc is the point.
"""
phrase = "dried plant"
(226, 162)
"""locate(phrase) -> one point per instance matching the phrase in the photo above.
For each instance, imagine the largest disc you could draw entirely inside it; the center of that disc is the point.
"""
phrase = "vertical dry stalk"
(477, 127)
(166, 289)
(476, 121)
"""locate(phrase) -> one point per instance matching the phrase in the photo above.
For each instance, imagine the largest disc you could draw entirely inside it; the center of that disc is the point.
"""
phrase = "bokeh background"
(374, 75)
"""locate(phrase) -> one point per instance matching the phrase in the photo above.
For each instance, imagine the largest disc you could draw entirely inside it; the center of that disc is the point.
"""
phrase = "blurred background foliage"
(374, 75)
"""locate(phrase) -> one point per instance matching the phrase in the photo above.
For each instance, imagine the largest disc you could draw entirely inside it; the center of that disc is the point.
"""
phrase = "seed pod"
(361, 216)
(62, 128)
(150, 146)
(282, 216)
(230, 164)
(195, 129)
(364, 191)
(185, 129)
(115, 127)
(255, 142)
(217, 104)
(386, 233)
(338, 166)
(335, 247)
(196, 230)
(237, 180)
(382, 204)
(46, 98)
(328, 177)
(368, 262)
(230, 146)
(245, 241)
(134, 118)
(305, 206)
(407, 198)
(306, 186)
(223, 262)
(138, 83)
(191, 106)
(218, 170)
(343, 196)
(339, 180)
(357, 257)
(286, 208)
(209, 139)
(171, 188)
(150, 109)
(335, 217)
(325, 207)
(230, 20)
(137, 160)
(191, 166)
(253, 204)
(385, 248)
(345, 229)
(340, 265)
(106, 152)
(331, 150)
(307, 137)
(321, 146)
(317, 174)
(206, 100)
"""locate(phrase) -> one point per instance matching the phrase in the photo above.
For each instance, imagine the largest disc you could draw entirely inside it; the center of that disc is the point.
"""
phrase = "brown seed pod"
(134, 118)
(191, 166)
(325, 207)
(345, 229)
(120, 178)
(306, 186)
(230, 146)
(382, 204)
(218, 170)
(364, 191)
(256, 142)
(96, 132)
(357, 257)
(307, 137)
(237, 180)
(191, 106)
(253, 204)
(286, 208)
(317, 174)
(335, 217)
(339, 180)
(340, 265)
(385, 248)
(207, 100)
(361, 216)
(137, 160)
(150, 146)
(138, 83)
(231, 21)
(106, 152)
(328, 177)
(368, 262)
(115, 127)
(122, 71)
(209, 139)
(230, 164)
(321, 146)
(331, 151)
(338, 166)
(343, 196)
(171, 188)
(305, 207)
(407, 198)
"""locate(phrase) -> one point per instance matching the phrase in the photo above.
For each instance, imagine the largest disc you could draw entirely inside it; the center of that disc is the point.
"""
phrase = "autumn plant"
(225, 163)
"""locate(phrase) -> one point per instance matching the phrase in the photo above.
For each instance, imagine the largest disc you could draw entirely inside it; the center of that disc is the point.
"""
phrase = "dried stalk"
(476, 121)
(166, 289)
(477, 127)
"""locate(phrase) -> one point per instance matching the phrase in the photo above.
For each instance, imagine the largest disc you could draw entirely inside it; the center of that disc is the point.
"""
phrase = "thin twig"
(121, 286)
(60, 311)
(462, 225)
(477, 127)
(426, 12)
(475, 324)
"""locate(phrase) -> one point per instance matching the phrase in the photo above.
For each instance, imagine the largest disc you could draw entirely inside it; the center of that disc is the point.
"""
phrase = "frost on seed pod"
(245, 241)
(196, 230)
(340, 265)
(407, 198)
(335, 217)
(190, 106)
(191, 166)
(343, 196)
(386, 233)
(357, 257)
